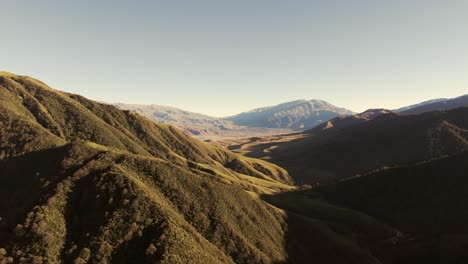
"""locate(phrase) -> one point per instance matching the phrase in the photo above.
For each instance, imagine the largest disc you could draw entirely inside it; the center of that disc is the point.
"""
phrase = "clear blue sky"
(221, 57)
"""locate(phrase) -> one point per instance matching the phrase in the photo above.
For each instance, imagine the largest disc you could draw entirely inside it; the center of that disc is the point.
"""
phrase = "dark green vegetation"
(83, 182)
(353, 148)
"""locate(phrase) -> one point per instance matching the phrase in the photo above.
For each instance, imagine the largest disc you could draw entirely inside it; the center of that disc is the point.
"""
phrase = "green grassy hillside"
(83, 182)
(93, 183)
(35, 116)
(84, 203)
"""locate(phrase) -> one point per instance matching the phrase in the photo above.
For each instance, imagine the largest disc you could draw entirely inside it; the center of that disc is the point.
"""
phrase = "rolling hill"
(135, 186)
(84, 182)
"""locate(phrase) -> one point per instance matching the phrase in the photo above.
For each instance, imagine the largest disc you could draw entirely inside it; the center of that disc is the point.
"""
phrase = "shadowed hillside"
(427, 202)
(404, 215)
(350, 149)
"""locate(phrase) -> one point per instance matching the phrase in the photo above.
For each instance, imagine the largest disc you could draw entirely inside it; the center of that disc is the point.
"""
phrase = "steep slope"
(103, 185)
(37, 110)
(383, 141)
(91, 204)
(299, 115)
(445, 104)
(83, 182)
(427, 202)
(86, 204)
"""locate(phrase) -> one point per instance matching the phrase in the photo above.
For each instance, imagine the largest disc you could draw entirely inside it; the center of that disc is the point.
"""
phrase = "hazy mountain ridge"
(198, 125)
(344, 121)
(299, 115)
(437, 104)
(173, 115)
(284, 118)
(419, 104)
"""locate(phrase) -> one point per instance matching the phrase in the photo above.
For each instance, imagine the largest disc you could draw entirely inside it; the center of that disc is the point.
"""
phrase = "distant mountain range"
(194, 123)
(298, 115)
(433, 105)
(426, 106)
(445, 104)
(284, 118)
(418, 104)
(359, 144)
(289, 117)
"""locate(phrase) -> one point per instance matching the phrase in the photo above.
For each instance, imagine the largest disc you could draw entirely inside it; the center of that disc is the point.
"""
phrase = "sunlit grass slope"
(84, 182)
(93, 184)
(46, 117)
